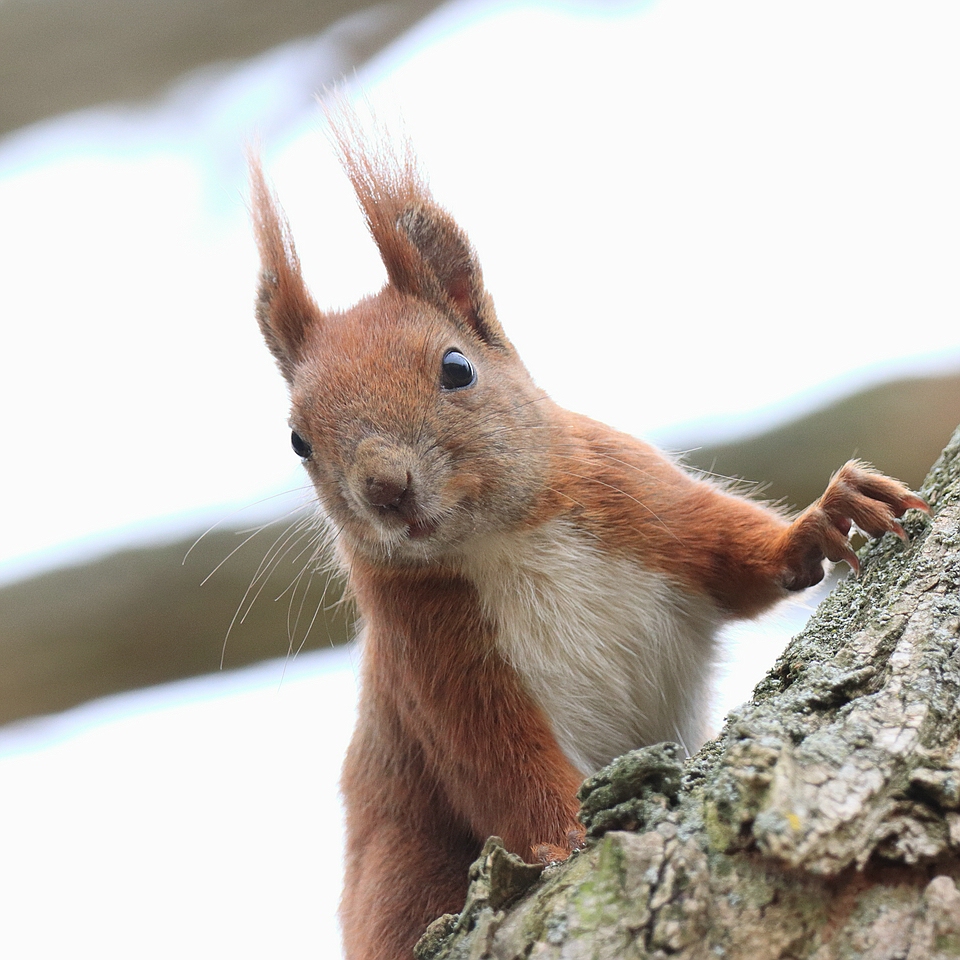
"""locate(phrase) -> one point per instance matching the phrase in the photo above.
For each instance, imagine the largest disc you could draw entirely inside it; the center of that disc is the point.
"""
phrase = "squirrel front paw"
(547, 853)
(856, 495)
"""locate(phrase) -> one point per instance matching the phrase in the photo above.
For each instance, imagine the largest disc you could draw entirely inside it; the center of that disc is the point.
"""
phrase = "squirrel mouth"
(421, 529)
(406, 520)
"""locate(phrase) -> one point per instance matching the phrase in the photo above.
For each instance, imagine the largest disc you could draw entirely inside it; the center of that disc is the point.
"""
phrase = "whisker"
(322, 541)
(314, 544)
(264, 571)
(268, 568)
(233, 513)
(296, 527)
(232, 553)
(313, 620)
(251, 531)
(311, 568)
(291, 631)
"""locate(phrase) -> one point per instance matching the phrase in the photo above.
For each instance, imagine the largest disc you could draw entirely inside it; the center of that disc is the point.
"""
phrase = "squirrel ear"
(448, 254)
(285, 309)
(426, 254)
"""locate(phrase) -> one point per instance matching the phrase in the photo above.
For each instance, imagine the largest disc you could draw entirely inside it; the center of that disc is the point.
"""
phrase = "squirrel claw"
(915, 503)
(899, 531)
(850, 558)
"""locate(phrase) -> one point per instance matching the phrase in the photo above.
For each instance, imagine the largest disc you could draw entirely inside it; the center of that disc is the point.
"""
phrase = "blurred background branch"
(64, 55)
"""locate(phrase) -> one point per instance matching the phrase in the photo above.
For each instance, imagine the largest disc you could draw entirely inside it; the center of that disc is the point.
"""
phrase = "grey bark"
(823, 822)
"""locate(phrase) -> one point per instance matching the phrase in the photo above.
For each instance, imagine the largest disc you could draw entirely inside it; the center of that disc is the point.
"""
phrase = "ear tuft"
(285, 309)
(425, 252)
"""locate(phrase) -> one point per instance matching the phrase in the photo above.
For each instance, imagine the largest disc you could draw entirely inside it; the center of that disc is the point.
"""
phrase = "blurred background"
(730, 228)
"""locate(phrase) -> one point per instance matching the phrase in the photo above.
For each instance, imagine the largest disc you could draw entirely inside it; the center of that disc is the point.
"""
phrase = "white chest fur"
(616, 656)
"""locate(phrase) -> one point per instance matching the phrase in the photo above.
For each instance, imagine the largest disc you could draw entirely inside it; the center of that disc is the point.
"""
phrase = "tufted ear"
(285, 309)
(425, 252)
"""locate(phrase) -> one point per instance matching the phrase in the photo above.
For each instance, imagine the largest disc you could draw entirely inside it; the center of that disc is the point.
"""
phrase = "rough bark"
(823, 822)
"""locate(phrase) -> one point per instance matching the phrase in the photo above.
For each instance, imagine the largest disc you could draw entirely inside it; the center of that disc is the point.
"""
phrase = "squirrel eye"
(457, 371)
(300, 446)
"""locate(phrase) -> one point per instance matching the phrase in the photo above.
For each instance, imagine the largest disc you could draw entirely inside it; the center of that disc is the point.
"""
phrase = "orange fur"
(440, 495)
(443, 724)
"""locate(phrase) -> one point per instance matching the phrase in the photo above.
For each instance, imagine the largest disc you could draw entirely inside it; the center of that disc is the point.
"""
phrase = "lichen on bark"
(823, 822)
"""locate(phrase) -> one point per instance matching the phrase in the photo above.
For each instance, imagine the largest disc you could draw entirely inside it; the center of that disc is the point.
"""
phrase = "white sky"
(198, 819)
(656, 193)
(686, 211)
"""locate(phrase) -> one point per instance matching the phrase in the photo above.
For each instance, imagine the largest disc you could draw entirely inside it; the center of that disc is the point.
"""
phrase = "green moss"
(947, 944)
(598, 900)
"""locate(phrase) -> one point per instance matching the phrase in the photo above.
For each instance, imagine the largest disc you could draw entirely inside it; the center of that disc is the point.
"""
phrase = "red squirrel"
(538, 592)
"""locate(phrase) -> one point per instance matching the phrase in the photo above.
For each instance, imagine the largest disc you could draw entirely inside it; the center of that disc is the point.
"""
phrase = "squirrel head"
(417, 421)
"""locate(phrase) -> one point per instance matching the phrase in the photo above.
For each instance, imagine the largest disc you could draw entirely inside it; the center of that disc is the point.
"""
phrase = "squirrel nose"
(387, 491)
